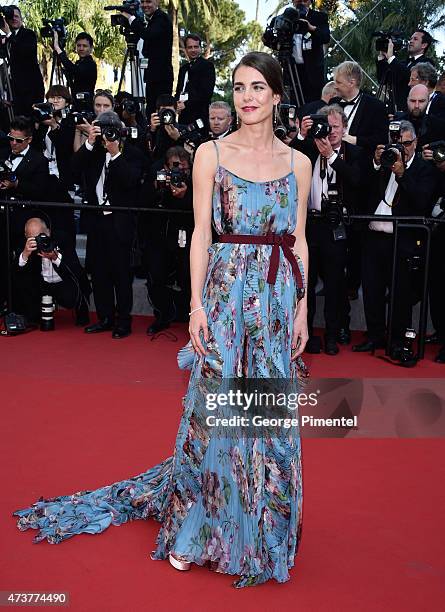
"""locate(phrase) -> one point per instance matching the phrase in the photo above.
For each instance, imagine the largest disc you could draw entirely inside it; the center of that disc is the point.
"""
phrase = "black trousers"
(109, 261)
(155, 89)
(378, 248)
(166, 263)
(329, 256)
(28, 290)
(437, 282)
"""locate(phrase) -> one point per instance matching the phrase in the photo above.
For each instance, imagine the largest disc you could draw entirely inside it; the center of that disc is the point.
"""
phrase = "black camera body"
(45, 244)
(80, 117)
(383, 37)
(167, 116)
(320, 127)
(332, 212)
(132, 7)
(192, 132)
(131, 106)
(113, 132)
(281, 31)
(42, 112)
(7, 174)
(288, 112)
(176, 174)
(390, 155)
(54, 25)
(438, 149)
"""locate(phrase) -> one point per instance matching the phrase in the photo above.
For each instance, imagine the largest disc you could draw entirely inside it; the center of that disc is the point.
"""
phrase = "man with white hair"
(220, 119)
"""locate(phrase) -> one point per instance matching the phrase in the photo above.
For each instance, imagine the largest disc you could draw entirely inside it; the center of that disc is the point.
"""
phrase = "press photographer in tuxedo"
(337, 168)
(82, 74)
(196, 81)
(112, 172)
(54, 270)
(26, 78)
(399, 70)
(220, 119)
(157, 33)
(403, 188)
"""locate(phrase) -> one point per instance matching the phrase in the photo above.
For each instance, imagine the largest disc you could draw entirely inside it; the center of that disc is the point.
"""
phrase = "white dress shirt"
(49, 273)
(319, 186)
(385, 206)
(102, 198)
(50, 154)
(14, 163)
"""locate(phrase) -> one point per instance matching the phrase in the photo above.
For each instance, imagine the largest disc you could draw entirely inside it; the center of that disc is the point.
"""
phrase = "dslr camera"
(320, 127)
(393, 148)
(191, 133)
(383, 38)
(45, 244)
(288, 112)
(332, 211)
(176, 174)
(438, 149)
(6, 173)
(167, 116)
(54, 25)
(113, 133)
(79, 117)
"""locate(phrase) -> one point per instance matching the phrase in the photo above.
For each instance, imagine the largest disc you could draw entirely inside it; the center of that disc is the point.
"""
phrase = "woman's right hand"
(198, 324)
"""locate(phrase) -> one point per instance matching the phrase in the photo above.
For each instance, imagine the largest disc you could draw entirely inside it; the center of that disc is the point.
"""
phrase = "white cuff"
(22, 261)
(391, 59)
(115, 156)
(58, 261)
(300, 137)
(332, 158)
(89, 147)
(376, 167)
(131, 19)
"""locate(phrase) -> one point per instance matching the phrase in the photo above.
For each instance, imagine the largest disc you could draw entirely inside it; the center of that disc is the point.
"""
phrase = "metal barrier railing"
(400, 223)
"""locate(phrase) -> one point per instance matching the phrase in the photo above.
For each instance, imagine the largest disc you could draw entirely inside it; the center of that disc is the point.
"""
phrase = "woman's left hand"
(300, 334)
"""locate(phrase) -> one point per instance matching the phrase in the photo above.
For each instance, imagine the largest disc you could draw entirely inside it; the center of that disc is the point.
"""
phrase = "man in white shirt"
(404, 188)
(48, 265)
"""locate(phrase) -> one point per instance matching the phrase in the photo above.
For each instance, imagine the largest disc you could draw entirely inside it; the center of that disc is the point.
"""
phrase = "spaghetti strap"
(291, 159)
(217, 151)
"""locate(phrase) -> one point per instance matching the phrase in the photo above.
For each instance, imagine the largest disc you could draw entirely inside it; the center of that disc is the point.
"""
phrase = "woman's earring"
(275, 115)
(238, 121)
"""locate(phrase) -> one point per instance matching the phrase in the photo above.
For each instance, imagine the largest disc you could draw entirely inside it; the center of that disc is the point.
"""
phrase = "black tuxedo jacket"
(122, 186)
(349, 166)
(26, 78)
(311, 108)
(200, 85)
(370, 124)
(437, 107)
(62, 139)
(398, 73)
(82, 74)
(32, 175)
(70, 267)
(157, 35)
(416, 189)
(429, 128)
(314, 63)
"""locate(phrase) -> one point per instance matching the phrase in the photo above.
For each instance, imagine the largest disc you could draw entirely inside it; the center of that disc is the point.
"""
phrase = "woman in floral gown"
(231, 501)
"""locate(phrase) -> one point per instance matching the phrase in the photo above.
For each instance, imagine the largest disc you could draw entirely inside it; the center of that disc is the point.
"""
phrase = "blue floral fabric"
(234, 502)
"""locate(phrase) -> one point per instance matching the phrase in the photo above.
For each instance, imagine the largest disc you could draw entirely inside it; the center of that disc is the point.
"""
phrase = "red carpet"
(81, 411)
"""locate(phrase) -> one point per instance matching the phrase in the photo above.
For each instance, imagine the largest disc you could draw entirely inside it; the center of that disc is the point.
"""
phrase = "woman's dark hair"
(267, 65)
(105, 93)
(59, 90)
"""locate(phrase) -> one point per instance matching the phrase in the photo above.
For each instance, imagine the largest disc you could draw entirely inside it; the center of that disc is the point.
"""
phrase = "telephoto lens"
(47, 313)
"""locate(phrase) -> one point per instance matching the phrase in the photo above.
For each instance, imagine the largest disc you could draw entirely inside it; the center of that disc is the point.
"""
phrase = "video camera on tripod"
(383, 37)
(132, 7)
(280, 32)
(54, 25)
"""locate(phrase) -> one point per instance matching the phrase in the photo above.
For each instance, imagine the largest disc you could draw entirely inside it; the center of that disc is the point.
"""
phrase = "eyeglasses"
(407, 143)
(56, 98)
(14, 139)
(99, 92)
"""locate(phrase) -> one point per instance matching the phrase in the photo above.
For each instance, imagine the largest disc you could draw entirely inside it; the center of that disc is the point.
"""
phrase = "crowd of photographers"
(369, 157)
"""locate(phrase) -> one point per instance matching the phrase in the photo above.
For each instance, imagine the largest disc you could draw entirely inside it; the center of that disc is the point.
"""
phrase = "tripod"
(6, 98)
(291, 78)
(132, 57)
(58, 76)
(385, 93)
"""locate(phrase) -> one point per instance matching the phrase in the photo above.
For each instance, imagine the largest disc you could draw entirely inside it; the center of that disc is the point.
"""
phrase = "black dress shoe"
(440, 357)
(330, 346)
(432, 339)
(100, 326)
(120, 332)
(368, 346)
(313, 345)
(344, 336)
(157, 326)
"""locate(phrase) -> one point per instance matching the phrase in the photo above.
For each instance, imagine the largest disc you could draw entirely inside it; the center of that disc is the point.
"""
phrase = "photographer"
(398, 71)
(426, 74)
(220, 119)
(129, 111)
(24, 174)
(168, 239)
(307, 30)
(112, 171)
(436, 156)
(403, 185)
(196, 81)
(429, 128)
(103, 101)
(337, 174)
(163, 132)
(54, 137)
(26, 78)
(157, 33)
(48, 266)
(82, 74)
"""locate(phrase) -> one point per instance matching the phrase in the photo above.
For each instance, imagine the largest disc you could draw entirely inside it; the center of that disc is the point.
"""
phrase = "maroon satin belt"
(285, 241)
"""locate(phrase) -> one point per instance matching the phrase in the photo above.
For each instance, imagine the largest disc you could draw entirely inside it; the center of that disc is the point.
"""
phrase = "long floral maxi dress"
(234, 502)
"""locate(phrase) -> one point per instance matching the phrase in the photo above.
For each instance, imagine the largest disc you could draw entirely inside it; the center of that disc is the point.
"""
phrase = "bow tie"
(15, 155)
(344, 103)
